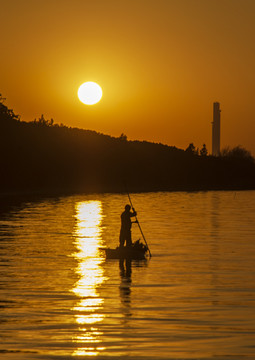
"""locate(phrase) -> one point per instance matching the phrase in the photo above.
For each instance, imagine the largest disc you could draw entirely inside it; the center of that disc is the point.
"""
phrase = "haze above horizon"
(161, 65)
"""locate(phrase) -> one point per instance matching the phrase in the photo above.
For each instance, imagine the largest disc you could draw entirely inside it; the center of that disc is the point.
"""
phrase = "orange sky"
(161, 65)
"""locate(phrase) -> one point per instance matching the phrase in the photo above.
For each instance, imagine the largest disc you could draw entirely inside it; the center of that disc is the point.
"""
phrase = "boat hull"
(125, 253)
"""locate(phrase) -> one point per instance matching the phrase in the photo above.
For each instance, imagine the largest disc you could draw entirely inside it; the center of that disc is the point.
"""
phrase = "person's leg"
(122, 239)
(128, 239)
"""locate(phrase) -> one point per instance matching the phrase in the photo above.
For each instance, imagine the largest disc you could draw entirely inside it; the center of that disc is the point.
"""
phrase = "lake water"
(194, 299)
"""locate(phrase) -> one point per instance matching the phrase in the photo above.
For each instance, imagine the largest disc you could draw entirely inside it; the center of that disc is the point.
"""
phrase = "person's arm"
(134, 213)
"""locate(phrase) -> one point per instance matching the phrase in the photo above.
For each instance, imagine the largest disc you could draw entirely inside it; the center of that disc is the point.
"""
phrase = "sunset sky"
(161, 65)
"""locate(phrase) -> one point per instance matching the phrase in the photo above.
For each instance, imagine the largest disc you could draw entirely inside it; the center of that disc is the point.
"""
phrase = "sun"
(90, 93)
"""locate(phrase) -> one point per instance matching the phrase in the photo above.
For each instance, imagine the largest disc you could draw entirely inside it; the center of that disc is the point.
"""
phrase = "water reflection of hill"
(41, 156)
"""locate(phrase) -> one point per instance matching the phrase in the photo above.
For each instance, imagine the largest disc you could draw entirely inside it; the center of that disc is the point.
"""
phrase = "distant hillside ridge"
(41, 156)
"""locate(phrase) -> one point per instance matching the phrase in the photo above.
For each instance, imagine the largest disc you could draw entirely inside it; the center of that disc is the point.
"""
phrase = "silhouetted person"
(126, 223)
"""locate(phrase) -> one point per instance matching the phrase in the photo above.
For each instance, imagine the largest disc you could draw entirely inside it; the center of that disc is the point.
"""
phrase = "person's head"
(127, 207)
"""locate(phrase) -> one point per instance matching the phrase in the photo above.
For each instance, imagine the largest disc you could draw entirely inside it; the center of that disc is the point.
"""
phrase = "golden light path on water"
(87, 234)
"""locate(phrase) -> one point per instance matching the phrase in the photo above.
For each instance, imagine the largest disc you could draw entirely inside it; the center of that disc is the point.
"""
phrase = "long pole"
(138, 223)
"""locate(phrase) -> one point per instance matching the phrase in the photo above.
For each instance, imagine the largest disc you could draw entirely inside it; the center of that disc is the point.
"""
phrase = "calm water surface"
(194, 299)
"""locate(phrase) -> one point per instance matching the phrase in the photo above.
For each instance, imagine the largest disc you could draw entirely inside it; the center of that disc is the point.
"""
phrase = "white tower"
(216, 129)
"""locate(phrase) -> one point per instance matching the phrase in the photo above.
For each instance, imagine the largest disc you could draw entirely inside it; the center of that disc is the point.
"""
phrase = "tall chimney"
(216, 129)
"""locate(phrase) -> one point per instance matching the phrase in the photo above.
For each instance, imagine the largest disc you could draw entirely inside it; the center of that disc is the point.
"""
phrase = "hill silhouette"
(44, 157)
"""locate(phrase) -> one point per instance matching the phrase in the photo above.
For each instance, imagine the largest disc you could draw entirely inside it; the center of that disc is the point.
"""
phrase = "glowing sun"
(90, 93)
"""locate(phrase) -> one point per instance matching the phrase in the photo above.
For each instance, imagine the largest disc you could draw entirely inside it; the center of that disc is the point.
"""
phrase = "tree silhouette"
(238, 152)
(40, 156)
(43, 122)
(123, 137)
(7, 114)
(191, 149)
(204, 151)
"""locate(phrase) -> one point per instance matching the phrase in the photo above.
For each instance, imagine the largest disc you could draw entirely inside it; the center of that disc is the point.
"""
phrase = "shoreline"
(39, 193)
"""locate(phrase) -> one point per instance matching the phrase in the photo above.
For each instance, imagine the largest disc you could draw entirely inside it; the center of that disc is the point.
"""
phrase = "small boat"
(137, 251)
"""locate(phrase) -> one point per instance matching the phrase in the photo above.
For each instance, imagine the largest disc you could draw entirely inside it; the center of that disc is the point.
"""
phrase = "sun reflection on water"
(87, 234)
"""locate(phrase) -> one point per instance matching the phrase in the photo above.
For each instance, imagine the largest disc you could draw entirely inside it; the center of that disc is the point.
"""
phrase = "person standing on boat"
(126, 224)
